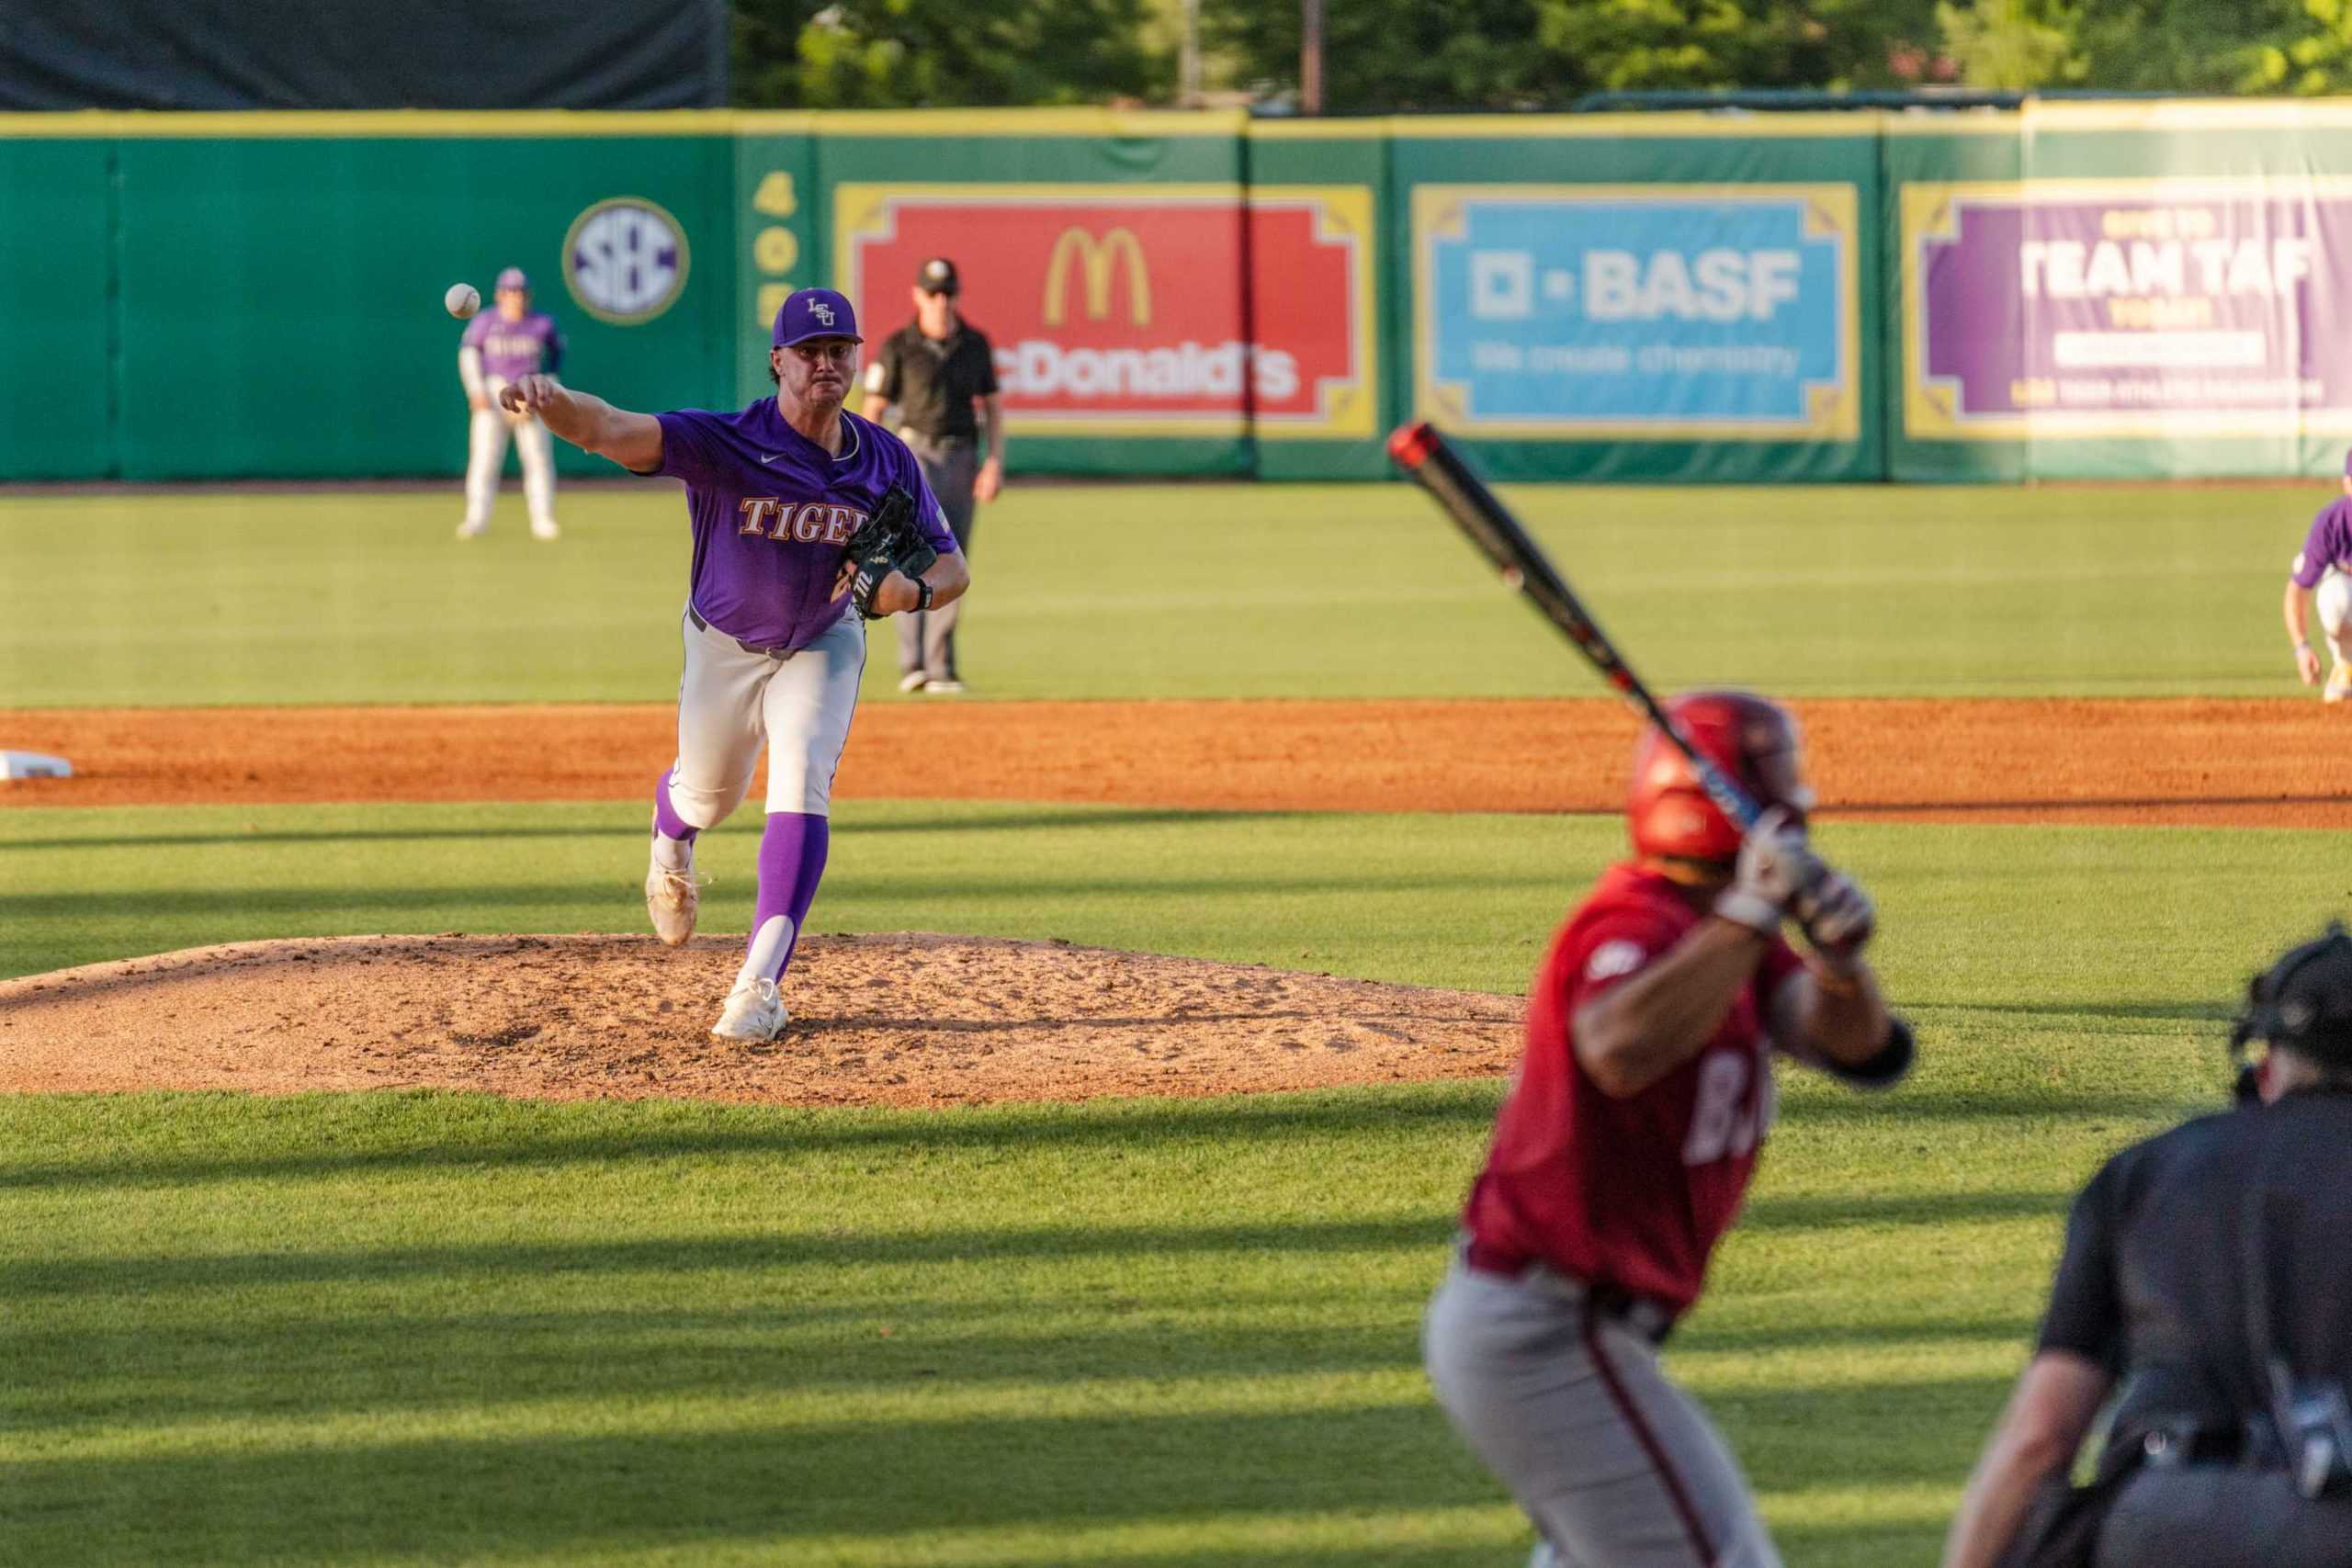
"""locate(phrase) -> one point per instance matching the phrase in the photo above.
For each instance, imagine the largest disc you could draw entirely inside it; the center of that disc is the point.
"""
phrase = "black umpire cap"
(937, 276)
(2304, 1002)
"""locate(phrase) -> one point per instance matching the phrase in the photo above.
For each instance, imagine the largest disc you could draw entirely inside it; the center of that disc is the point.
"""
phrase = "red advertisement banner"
(1123, 311)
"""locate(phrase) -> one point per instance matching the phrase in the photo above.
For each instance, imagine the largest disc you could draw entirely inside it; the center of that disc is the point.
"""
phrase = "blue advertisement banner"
(1608, 312)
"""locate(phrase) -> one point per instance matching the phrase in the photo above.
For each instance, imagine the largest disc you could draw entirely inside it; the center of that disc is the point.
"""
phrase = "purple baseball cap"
(511, 278)
(815, 312)
(2347, 465)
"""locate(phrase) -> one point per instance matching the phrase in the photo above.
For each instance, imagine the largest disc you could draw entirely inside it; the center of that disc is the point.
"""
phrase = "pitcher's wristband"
(923, 595)
(1759, 914)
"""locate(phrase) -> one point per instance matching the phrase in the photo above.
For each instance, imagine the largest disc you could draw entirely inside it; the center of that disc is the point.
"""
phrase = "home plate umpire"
(2207, 1272)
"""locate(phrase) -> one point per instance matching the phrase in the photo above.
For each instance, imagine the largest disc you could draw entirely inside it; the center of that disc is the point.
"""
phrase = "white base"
(33, 765)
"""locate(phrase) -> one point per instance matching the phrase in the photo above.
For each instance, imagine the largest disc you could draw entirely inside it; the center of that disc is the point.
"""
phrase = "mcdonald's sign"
(1134, 311)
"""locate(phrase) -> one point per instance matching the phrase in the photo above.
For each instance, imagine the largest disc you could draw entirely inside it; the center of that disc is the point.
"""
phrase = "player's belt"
(766, 650)
(1650, 1318)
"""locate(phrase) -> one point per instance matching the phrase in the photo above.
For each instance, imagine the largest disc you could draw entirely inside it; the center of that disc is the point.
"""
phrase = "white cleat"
(951, 687)
(545, 529)
(912, 681)
(754, 1011)
(672, 897)
(2339, 684)
(470, 529)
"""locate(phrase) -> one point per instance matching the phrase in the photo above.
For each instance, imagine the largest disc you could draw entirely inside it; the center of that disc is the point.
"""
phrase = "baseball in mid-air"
(463, 300)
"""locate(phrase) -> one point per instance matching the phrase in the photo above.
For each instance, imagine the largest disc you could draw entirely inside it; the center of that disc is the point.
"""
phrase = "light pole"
(1188, 68)
(1310, 56)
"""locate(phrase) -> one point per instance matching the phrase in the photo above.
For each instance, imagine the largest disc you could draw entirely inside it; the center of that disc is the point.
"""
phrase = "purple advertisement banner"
(2151, 307)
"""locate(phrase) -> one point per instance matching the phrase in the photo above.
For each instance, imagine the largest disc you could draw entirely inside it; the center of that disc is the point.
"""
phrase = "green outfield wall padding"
(2093, 290)
(279, 308)
(58, 372)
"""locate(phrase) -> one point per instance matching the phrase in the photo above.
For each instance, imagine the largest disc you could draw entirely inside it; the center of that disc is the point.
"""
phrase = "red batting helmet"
(1751, 739)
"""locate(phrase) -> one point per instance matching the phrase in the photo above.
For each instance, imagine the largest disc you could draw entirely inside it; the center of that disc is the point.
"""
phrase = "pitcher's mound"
(898, 1020)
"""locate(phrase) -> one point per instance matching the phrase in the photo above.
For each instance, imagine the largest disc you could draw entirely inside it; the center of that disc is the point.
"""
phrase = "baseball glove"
(886, 542)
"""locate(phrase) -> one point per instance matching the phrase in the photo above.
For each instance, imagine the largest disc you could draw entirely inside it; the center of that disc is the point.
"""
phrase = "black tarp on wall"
(363, 54)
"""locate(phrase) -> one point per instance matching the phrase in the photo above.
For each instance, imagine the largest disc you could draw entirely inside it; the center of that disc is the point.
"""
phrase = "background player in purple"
(502, 346)
(773, 644)
(2318, 571)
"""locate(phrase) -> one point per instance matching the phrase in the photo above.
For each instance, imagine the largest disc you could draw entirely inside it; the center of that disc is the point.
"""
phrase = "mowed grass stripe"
(450, 1329)
(379, 1276)
(2021, 920)
(1142, 590)
(952, 1398)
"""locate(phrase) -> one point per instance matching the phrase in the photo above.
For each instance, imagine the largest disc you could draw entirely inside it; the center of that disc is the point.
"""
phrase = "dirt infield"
(2182, 761)
(901, 1020)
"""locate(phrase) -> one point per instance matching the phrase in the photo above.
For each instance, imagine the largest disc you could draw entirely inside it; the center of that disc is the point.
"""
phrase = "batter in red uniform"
(1627, 1143)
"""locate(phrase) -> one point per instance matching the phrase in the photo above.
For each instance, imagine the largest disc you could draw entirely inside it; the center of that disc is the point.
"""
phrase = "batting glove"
(1838, 918)
(1774, 866)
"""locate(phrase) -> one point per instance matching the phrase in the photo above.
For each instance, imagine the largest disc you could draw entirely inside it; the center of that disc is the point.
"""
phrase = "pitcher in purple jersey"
(2322, 570)
(503, 345)
(773, 647)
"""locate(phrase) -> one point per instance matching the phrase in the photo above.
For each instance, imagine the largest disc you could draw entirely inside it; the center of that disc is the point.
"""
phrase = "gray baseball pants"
(2217, 1516)
(1617, 1467)
(927, 637)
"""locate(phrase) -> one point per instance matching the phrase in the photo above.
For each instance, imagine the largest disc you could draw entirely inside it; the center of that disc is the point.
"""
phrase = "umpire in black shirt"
(940, 372)
(2207, 1272)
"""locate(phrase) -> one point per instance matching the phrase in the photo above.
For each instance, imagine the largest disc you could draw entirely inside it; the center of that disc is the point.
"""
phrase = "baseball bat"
(1424, 454)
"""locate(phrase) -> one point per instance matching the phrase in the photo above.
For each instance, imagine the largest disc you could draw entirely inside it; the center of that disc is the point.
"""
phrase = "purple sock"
(666, 820)
(792, 861)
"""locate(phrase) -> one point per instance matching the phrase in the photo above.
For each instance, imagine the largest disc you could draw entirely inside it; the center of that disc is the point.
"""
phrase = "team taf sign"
(1610, 312)
(625, 261)
(1119, 309)
(2076, 308)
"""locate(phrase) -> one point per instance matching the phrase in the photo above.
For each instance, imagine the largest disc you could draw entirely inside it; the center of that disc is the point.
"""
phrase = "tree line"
(1401, 56)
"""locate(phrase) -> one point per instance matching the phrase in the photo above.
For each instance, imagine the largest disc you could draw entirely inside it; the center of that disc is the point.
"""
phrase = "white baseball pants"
(2333, 596)
(1617, 1467)
(486, 456)
(732, 704)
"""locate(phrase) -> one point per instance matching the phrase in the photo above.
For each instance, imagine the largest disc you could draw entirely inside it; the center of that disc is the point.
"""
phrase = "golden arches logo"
(1095, 259)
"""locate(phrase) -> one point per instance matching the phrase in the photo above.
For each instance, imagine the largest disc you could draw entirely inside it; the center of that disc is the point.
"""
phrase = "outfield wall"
(2074, 290)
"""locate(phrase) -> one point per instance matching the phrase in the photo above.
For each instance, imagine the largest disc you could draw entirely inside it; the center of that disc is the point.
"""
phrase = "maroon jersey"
(1634, 1192)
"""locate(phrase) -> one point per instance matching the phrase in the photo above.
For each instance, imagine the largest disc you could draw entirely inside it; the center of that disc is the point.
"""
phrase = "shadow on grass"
(851, 823)
(488, 1263)
(177, 1371)
(1869, 1211)
(440, 1497)
(417, 1131)
(269, 907)
(1837, 1336)
(2214, 1013)
(31, 1279)
(1966, 1103)
(414, 1132)
(258, 904)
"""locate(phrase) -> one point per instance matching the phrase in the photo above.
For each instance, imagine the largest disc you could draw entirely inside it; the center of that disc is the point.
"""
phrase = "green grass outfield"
(410, 1329)
(426, 1329)
(1181, 590)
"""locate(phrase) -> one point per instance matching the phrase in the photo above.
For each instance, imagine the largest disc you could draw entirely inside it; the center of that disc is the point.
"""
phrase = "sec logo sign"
(625, 260)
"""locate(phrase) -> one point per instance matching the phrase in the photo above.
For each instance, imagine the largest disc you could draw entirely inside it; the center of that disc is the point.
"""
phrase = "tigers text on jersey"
(772, 510)
(1635, 1193)
(512, 350)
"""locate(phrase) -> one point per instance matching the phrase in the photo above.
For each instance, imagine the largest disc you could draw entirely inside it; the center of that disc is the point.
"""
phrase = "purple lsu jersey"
(512, 350)
(772, 511)
(2329, 544)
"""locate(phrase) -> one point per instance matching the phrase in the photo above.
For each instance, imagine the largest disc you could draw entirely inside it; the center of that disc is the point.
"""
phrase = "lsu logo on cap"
(821, 311)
